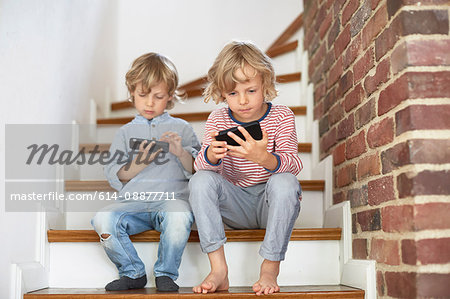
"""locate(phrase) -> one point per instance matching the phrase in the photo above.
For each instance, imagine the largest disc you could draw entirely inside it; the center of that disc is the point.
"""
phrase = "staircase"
(318, 261)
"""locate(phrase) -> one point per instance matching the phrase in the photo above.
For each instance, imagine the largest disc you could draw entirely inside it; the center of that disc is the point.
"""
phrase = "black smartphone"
(136, 142)
(253, 128)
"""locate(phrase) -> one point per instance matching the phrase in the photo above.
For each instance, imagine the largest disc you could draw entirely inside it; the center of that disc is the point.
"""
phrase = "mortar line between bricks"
(424, 7)
(425, 68)
(429, 101)
(406, 235)
(424, 134)
(425, 199)
(426, 37)
(428, 269)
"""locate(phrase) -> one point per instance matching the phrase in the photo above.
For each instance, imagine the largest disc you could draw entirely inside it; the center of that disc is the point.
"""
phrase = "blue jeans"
(274, 206)
(120, 220)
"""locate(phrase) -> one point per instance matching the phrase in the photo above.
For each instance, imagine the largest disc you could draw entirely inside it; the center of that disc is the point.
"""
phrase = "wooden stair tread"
(196, 116)
(103, 185)
(282, 49)
(321, 291)
(241, 235)
(304, 147)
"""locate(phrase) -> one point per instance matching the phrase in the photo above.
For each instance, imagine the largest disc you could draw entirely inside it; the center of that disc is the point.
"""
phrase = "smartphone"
(136, 142)
(253, 128)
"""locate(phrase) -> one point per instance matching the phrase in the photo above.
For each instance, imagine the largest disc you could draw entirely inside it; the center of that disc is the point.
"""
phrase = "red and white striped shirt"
(279, 122)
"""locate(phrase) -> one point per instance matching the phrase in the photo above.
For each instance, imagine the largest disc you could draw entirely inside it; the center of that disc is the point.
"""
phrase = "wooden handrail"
(102, 185)
(248, 235)
(288, 33)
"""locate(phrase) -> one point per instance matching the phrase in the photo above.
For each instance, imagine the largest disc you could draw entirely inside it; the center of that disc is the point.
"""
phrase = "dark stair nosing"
(241, 235)
(310, 292)
(103, 185)
(282, 49)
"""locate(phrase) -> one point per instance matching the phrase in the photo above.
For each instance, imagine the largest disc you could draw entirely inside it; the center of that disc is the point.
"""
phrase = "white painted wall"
(192, 33)
(54, 56)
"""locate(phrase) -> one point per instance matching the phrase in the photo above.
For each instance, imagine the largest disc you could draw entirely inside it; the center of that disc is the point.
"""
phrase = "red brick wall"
(381, 76)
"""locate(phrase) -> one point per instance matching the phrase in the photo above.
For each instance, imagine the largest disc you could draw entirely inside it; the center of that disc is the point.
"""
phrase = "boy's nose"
(149, 101)
(243, 100)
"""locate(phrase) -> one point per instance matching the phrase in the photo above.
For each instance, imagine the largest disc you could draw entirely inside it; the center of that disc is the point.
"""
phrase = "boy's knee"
(284, 181)
(285, 188)
(179, 220)
(202, 178)
(105, 221)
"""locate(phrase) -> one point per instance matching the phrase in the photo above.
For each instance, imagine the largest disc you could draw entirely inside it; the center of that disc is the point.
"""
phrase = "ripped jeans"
(120, 220)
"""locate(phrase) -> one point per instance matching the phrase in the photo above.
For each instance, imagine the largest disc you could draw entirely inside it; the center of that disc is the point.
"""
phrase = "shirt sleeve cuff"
(113, 178)
(206, 158)
(278, 164)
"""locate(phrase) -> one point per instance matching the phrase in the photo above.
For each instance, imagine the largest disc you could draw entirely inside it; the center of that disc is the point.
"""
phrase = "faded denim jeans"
(125, 218)
(274, 206)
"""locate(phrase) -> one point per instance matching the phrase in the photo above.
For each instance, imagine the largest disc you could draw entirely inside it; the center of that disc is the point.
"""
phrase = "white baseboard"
(31, 276)
(361, 274)
(27, 277)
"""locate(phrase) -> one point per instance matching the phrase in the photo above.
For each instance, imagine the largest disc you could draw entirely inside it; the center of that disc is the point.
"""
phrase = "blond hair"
(237, 55)
(151, 69)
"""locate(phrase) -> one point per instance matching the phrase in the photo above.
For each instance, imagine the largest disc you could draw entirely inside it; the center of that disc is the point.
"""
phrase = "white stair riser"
(286, 63)
(85, 265)
(311, 213)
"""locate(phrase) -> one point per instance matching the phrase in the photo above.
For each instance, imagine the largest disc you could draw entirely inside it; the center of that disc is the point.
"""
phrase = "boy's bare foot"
(215, 281)
(267, 283)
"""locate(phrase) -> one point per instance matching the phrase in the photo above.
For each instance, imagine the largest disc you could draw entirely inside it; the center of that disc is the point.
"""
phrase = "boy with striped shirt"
(252, 185)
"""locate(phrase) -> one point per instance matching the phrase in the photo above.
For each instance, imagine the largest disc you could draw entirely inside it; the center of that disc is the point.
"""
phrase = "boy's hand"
(176, 148)
(142, 160)
(144, 153)
(174, 141)
(251, 149)
(217, 149)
